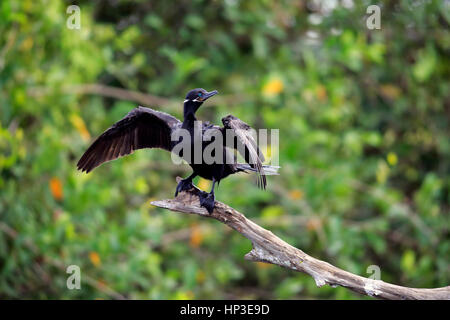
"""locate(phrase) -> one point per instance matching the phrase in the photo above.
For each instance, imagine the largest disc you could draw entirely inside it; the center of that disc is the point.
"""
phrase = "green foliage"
(364, 145)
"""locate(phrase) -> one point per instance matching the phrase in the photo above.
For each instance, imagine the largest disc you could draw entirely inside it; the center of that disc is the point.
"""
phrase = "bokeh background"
(364, 144)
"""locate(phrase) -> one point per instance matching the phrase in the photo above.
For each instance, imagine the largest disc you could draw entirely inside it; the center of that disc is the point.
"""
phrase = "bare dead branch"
(106, 91)
(270, 249)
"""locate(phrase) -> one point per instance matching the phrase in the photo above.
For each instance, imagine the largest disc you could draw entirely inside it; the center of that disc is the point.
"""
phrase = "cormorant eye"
(200, 94)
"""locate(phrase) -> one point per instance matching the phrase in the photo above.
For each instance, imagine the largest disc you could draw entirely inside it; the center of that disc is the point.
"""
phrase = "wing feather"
(116, 149)
(248, 148)
(140, 128)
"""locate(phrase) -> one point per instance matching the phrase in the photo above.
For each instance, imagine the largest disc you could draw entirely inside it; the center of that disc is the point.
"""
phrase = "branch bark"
(270, 249)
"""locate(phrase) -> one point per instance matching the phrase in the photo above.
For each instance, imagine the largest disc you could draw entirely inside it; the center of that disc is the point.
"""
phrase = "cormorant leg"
(185, 184)
(208, 200)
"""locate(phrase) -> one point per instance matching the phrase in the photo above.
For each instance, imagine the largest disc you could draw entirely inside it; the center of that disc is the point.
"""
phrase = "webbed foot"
(184, 185)
(207, 201)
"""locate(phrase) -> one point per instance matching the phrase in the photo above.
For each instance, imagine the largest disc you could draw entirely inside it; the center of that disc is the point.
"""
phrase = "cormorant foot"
(184, 185)
(207, 201)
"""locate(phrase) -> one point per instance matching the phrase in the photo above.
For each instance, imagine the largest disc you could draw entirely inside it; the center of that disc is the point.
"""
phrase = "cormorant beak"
(208, 95)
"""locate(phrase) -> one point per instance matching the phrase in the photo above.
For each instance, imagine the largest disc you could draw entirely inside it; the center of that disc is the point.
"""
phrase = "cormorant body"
(146, 128)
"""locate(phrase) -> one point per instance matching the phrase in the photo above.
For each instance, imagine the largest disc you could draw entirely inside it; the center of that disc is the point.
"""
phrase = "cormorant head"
(195, 98)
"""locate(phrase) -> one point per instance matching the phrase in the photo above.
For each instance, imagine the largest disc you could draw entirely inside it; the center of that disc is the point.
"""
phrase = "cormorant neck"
(189, 115)
(189, 111)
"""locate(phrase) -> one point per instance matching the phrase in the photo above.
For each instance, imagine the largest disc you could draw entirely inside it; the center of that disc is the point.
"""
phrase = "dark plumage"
(147, 128)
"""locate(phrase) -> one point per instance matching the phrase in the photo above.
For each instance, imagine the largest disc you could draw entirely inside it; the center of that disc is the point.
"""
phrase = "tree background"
(364, 144)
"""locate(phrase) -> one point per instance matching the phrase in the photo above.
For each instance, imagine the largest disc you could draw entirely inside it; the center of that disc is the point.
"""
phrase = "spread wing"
(140, 128)
(248, 147)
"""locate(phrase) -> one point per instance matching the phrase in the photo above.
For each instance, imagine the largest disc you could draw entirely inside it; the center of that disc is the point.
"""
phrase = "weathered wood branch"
(269, 248)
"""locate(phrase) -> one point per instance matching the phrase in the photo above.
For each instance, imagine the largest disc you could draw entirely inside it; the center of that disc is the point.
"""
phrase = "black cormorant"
(146, 128)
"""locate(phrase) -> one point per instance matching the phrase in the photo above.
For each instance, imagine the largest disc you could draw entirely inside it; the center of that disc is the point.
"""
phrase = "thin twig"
(145, 99)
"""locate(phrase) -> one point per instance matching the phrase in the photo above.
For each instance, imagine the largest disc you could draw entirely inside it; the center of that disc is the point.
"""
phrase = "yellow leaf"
(296, 194)
(141, 185)
(272, 211)
(273, 87)
(196, 238)
(70, 231)
(204, 184)
(79, 124)
(95, 258)
(408, 261)
(392, 158)
(389, 91)
(56, 188)
(184, 295)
